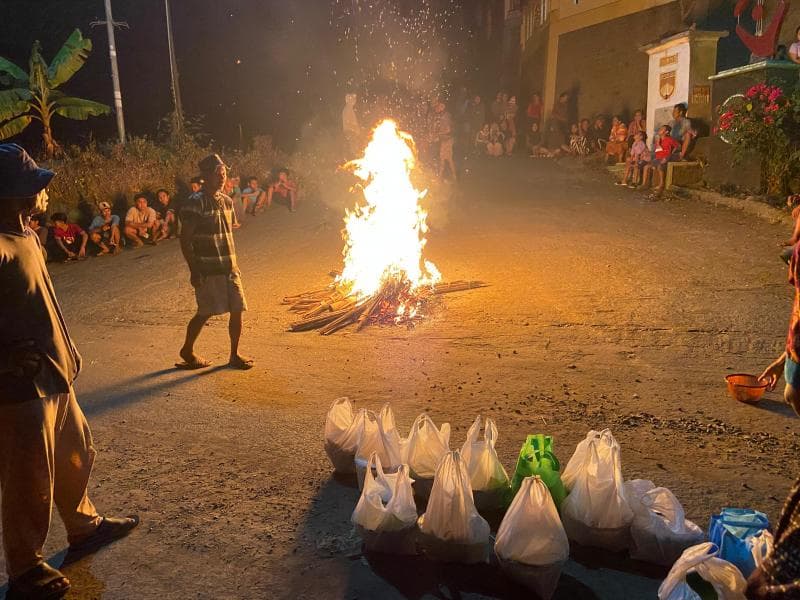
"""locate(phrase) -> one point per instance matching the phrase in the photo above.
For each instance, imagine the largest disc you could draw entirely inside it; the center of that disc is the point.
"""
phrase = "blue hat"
(20, 176)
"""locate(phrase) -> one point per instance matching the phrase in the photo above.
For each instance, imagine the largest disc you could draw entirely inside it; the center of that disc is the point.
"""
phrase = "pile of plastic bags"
(588, 503)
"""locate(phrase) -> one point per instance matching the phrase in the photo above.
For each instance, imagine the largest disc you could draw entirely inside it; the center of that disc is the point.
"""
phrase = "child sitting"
(482, 139)
(617, 141)
(578, 145)
(638, 158)
(534, 142)
(665, 148)
(496, 141)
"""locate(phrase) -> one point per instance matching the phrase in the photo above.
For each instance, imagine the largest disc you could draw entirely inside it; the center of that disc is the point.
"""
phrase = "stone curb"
(753, 207)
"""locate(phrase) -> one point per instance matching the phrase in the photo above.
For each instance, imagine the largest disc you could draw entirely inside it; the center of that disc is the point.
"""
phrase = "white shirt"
(794, 49)
(139, 218)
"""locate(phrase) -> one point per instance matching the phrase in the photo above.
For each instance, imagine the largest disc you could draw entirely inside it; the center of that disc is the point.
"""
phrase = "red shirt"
(665, 147)
(68, 235)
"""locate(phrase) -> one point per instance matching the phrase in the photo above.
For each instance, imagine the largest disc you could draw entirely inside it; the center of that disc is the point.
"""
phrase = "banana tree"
(34, 96)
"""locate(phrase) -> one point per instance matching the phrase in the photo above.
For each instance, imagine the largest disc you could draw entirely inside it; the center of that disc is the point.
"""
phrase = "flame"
(384, 238)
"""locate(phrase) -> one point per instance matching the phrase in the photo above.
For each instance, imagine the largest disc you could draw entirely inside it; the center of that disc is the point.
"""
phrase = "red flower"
(769, 120)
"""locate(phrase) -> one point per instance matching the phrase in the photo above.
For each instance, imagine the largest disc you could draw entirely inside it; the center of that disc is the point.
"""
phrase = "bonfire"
(385, 278)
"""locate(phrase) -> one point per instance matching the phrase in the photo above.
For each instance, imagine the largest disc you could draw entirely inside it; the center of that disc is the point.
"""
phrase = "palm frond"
(14, 126)
(10, 73)
(69, 59)
(79, 108)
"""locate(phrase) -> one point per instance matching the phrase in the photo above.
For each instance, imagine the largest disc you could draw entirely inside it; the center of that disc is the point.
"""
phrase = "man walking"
(46, 451)
(207, 246)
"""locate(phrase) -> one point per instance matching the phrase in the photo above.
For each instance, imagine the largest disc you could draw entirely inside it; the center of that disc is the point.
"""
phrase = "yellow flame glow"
(385, 237)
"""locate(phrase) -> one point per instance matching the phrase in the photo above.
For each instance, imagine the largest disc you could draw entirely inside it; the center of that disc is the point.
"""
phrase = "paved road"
(605, 310)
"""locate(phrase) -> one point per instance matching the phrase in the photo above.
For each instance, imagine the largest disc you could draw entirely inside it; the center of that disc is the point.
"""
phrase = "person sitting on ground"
(38, 224)
(793, 202)
(69, 238)
(509, 139)
(617, 145)
(598, 134)
(638, 124)
(195, 184)
(141, 223)
(165, 212)
(638, 157)
(253, 196)
(284, 188)
(533, 142)
(496, 145)
(104, 230)
(682, 131)
(481, 140)
(665, 149)
(554, 140)
(578, 145)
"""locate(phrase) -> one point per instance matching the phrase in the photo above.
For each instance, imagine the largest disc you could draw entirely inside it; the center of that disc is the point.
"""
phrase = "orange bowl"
(745, 388)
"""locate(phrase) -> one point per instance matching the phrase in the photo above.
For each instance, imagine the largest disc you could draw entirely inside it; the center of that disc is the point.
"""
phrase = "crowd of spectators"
(501, 129)
(151, 219)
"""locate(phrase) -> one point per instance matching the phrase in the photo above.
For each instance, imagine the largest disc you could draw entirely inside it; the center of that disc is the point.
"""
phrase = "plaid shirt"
(212, 242)
(793, 337)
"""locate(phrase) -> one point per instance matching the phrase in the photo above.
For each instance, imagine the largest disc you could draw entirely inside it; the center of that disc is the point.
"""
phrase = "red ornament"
(761, 45)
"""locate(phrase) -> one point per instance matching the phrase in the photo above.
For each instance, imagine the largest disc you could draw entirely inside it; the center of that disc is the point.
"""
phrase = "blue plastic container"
(730, 530)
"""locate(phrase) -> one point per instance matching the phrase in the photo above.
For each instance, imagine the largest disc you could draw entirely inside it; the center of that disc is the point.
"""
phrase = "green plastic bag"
(537, 458)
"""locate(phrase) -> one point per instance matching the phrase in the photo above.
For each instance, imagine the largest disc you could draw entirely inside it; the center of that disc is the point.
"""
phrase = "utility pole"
(173, 71)
(112, 52)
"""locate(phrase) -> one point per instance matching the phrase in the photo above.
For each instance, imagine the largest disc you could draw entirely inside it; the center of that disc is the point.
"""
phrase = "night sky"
(268, 66)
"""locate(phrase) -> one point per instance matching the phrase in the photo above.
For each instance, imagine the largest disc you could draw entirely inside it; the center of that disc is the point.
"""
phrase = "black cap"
(20, 176)
(210, 163)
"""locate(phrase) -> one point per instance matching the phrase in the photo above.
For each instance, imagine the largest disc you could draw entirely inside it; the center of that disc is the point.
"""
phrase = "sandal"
(43, 582)
(243, 364)
(194, 364)
(109, 530)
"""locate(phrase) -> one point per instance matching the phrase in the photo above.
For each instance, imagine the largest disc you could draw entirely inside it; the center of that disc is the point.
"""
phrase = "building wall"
(602, 65)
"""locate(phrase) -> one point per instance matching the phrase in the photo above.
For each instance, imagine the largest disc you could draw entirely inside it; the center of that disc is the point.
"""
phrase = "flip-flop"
(241, 364)
(199, 363)
(43, 582)
(109, 530)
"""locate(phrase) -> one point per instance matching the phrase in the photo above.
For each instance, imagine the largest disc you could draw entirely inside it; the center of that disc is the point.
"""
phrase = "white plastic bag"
(578, 458)
(425, 448)
(760, 546)
(660, 531)
(726, 579)
(451, 526)
(386, 516)
(343, 430)
(379, 435)
(488, 477)
(596, 511)
(531, 544)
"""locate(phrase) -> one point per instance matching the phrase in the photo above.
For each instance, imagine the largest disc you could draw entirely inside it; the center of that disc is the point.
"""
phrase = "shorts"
(220, 294)
(791, 373)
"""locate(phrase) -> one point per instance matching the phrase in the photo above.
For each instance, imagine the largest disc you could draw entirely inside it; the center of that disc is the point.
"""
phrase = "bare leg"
(792, 397)
(133, 236)
(193, 330)
(235, 332)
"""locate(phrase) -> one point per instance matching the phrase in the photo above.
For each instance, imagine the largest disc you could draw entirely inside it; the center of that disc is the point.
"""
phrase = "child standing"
(638, 158)
(665, 148)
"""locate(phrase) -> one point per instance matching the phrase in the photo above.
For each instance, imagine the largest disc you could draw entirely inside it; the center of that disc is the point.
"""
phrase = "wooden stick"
(342, 321)
(371, 306)
(308, 324)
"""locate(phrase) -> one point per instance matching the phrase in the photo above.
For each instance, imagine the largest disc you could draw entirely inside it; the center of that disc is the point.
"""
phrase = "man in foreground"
(46, 451)
(207, 246)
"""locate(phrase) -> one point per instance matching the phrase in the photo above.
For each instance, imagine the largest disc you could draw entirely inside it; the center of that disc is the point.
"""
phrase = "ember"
(385, 278)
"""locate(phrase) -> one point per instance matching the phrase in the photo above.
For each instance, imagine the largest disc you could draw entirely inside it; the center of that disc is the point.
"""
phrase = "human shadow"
(131, 391)
(776, 406)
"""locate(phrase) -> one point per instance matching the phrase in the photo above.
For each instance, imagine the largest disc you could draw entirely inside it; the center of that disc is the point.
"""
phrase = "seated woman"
(533, 142)
(617, 146)
(496, 145)
(481, 140)
(555, 141)
(578, 145)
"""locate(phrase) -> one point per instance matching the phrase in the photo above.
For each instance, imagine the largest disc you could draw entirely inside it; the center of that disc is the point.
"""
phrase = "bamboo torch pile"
(331, 308)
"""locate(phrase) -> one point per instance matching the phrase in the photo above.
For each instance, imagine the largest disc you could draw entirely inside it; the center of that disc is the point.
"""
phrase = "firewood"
(372, 305)
(343, 321)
